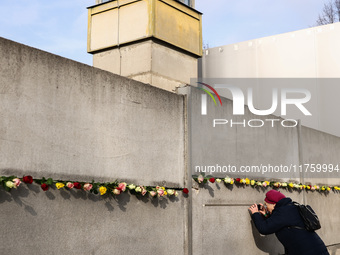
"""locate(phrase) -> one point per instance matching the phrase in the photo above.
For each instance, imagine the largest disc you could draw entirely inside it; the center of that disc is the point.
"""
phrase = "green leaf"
(49, 181)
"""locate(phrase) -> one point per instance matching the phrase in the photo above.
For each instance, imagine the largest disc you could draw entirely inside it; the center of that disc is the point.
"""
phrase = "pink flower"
(16, 182)
(160, 192)
(264, 184)
(117, 191)
(87, 186)
(200, 179)
(153, 193)
(69, 185)
(122, 186)
(143, 191)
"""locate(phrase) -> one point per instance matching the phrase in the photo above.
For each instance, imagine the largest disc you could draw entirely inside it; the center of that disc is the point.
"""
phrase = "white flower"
(227, 180)
(10, 184)
(171, 192)
(131, 186)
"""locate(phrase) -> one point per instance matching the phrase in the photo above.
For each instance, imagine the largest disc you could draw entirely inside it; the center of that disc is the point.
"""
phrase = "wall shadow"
(24, 191)
(266, 243)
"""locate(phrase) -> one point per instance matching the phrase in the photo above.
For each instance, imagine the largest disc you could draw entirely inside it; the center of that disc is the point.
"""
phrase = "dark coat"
(296, 241)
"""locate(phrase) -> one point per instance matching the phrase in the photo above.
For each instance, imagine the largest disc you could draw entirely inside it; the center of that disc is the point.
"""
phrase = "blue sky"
(60, 27)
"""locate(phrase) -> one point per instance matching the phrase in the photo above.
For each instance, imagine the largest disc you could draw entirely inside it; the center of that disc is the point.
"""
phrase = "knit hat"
(273, 196)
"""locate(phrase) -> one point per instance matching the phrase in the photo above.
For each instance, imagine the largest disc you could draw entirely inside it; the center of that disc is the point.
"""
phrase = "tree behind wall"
(330, 13)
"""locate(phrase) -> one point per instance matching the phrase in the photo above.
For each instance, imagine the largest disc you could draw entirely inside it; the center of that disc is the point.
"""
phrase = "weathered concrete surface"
(327, 208)
(222, 224)
(66, 118)
(220, 220)
(149, 62)
(323, 150)
(239, 144)
(63, 119)
(75, 222)
(156, 42)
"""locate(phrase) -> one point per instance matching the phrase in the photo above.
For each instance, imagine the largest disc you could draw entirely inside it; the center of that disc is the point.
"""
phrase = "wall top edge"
(113, 4)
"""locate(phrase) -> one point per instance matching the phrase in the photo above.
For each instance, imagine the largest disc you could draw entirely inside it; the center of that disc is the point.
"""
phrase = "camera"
(259, 207)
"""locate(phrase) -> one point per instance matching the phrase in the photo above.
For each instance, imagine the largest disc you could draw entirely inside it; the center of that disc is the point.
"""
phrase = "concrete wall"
(63, 119)
(149, 62)
(66, 120)
(152, 41)
(220, 221)
(310, 53)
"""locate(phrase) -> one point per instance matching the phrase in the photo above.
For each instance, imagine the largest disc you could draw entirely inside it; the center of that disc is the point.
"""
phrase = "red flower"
(238, 180)
(77, 185)
(27, 179)
(212, 180)
(44, 186)
(185, 191)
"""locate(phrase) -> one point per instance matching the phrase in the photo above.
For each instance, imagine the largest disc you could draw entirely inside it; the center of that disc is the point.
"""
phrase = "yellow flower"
(165, 193)
(323, 188)
(308, 187)
(252, 182)
(232, 181)
(163, 188)
(328, 188)
(59, 185)
(291, 185)
(247, 181)
(102, 190)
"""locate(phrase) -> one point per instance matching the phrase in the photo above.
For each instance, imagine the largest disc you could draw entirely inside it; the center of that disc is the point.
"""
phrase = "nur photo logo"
(204, 97)
(279, 98)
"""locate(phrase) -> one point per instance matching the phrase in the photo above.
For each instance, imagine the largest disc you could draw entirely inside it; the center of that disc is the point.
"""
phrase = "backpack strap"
(296, 227)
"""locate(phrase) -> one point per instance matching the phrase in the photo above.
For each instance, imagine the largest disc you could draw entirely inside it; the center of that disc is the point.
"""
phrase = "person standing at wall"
(282, 217)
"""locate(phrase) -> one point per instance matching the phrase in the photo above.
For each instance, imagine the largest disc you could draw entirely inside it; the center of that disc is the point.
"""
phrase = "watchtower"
(152, 41)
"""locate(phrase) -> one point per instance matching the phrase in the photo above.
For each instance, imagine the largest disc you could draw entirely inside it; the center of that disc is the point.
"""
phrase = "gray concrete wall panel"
(66, 118)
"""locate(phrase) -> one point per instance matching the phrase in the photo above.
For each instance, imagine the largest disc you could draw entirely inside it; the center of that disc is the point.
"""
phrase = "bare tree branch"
(337, 8)
(330, 13)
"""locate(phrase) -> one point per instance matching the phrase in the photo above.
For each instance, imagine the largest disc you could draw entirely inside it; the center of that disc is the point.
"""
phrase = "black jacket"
(296, 241)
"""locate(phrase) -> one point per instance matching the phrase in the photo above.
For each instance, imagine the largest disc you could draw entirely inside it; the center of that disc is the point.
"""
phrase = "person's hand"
(253, 209)
(263, 210)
